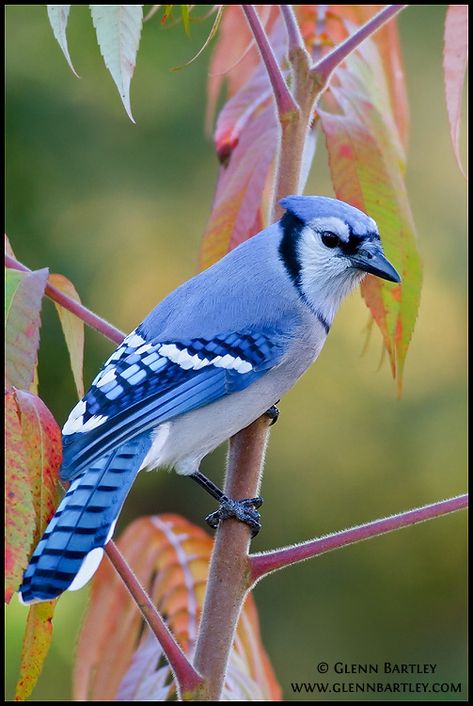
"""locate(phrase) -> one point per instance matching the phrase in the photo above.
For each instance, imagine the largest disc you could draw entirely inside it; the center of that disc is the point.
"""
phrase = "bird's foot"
(243, 510)
(273, 414)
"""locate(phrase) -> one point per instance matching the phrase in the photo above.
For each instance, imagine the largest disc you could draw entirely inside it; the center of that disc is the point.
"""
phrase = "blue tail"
(72, 545)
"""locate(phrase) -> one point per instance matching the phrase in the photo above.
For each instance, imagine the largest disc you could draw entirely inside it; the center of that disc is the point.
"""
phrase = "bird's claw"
(242, 510)
(273, 414)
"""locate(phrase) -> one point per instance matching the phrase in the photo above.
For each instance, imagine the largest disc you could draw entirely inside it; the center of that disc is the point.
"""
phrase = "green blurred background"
(120, 210)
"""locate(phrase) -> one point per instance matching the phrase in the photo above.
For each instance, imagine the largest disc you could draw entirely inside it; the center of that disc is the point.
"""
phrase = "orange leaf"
(73, 329)
(455, 56)
(36, 644)
(118, 658)
(19, 527)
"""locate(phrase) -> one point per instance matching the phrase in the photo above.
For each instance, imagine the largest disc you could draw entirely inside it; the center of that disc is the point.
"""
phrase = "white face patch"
(332, 224)
(325, 275)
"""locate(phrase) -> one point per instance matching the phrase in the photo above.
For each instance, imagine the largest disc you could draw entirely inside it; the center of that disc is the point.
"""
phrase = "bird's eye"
(330, 240)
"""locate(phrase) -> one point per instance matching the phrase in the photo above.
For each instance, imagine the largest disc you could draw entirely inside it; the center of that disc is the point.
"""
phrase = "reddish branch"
(71, 305)
(187, 677)
(266, 562)
(323, 69)
(284, 101)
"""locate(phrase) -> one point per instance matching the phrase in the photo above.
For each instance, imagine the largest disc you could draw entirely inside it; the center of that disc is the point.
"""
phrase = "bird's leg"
(243, 510)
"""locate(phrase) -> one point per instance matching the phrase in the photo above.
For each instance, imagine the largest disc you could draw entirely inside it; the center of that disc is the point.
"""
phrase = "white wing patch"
(194, 362)
(88, 569)
(147, 358)
(75, 421)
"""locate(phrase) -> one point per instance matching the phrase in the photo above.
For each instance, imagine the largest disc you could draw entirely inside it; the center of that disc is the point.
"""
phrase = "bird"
(209, 359)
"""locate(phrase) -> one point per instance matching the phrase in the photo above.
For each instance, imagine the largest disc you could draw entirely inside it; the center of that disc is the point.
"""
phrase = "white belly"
(184, 441)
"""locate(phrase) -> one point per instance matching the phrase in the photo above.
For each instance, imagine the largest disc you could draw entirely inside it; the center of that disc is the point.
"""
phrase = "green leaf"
(36, 644)
(73, 329)
(19, 527)
(118, 29)
(58, 16)
(23, 296)
(185, 14)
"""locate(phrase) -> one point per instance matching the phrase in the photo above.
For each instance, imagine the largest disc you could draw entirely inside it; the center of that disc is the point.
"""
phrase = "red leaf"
(42, 443)
(19, 527)
(119, 659)
(240, 188)
(455, 56)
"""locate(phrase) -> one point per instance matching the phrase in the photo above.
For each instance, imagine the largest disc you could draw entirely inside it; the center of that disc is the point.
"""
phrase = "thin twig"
(71, 305)
(284, 101)
(323, 69)
(266, 562)
(187, 677)
(292, 26)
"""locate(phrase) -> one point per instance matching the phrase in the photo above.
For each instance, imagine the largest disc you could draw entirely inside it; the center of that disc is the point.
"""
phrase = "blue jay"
(212, 357)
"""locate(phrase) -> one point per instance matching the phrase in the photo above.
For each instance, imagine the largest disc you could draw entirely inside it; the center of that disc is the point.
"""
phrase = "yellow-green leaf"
(36, 644)
(23, 297)
(73, 329)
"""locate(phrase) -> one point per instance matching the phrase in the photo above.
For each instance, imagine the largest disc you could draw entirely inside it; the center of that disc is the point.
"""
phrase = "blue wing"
(145, 383)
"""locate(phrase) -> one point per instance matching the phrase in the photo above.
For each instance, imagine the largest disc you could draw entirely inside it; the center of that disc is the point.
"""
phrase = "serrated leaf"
(118, 29)
(210, 36)
(119, 659)
(36, 644)
(19, 508)
(455, 56)
(367, 165)
(23, 297)
(58, 16)
(73, 329)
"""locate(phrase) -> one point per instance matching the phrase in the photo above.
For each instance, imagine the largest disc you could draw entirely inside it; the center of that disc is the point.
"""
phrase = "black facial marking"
(292, 229)
(355, 241)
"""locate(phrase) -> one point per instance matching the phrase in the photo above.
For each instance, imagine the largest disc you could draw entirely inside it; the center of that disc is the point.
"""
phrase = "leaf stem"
(284, 101)
(187, 677)
(323, 69)
(79, 310)
(264, 563)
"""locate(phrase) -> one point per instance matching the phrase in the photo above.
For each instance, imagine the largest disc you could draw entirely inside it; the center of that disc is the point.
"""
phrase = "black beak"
(371, 259)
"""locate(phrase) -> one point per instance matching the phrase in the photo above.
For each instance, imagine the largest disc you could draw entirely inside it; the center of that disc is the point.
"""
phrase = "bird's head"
(327, 247)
